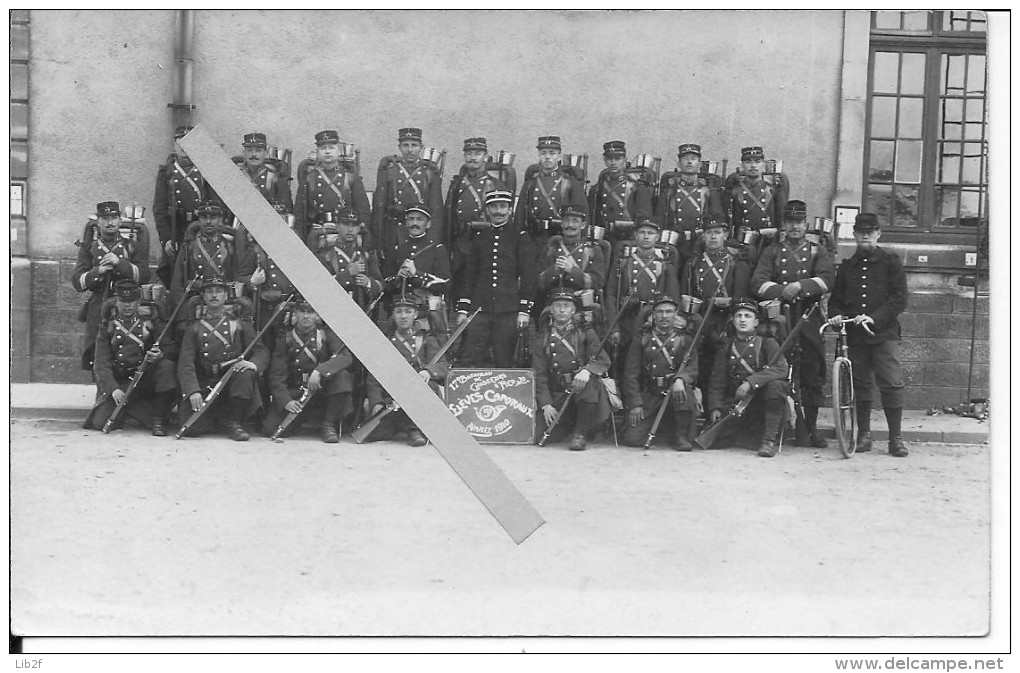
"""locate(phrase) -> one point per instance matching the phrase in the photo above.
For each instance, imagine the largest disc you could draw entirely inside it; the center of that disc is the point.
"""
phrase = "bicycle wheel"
(844, 407)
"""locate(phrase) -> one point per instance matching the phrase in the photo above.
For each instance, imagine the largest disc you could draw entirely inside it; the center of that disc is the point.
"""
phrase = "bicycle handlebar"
(843, 322)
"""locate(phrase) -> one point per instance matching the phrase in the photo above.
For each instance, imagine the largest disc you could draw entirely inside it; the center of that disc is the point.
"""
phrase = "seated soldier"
(654, 373)
(568, 356)
(419, 348)
(211, 344)
(309, 359)
(418, 263)
(126, 338)
(745, 364)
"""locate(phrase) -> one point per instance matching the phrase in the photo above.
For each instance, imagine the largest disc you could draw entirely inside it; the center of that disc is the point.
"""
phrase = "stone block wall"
(56, 335)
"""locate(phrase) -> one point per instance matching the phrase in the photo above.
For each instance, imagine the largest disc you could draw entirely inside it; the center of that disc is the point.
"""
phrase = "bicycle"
(844, 402)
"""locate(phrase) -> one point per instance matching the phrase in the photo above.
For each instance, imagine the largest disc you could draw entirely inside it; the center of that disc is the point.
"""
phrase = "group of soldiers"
(680, 286)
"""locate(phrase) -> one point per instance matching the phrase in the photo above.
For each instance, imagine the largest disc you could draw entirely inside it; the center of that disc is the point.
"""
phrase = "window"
(926, 157)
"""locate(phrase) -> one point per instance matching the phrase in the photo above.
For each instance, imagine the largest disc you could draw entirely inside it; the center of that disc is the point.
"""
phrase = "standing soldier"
(717, 276)
(419, 264)
(742, 367)
(210, 344)
(102, 261)
(330, 184)
(337, 248)
(404, 180)
(641, 271)
(617, 200)
(687, 198)
(126, 339)
(272, 182)
(500, 279)
(206, 252)
(547, 188)
(652, 367)
(180, 189)
(872, 286)
(418, 347)
(799, 272)
(309, 357)
(265, 281)
(570, 259)
(566, 356)
(754, 203)
(465, 205)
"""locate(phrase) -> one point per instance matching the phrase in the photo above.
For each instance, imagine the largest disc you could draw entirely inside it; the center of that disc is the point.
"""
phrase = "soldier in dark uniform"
(404, 180)
(742, 368)
(568, 356)
(465, 206)
(640, 272)
(616, 200)
(418, 348)
(356, 269)
(210, 344)
(309, 356)
(717, 276)
(180, 189)
(755, 204)
(267, 177)
(207, 251)
(686, 199)
(872, 286)
(653, 359)
(569, 259)
(799, 272)
(419, 264)
(500, 278)
(127, 337)
(106, 258)
(548, 187)
(329, 185)
(264, 281)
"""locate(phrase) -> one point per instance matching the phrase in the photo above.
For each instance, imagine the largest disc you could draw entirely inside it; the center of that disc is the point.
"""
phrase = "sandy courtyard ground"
(125, 534)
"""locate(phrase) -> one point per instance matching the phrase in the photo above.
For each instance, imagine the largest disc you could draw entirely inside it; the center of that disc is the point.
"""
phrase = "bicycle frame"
(844, 399)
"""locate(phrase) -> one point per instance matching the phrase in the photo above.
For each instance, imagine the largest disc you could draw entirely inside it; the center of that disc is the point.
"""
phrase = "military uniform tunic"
(180, 188)
(400, 184)
(618, 197)
(271, 184)
(327, 191)
(644, 274)
(338, 259)
(588, 274)
(652, 359)
(757, 205)
(683, 205)
(542, 195)
(206, 257)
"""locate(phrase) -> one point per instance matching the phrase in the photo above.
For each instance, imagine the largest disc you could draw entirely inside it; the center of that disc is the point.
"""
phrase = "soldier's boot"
(773, 417)
(416, 438)
(894, 418)
(158, 429)
(331, 420)
(161, 408)
(863, 427)
(681, 441)
(232, 420)
(767, 448)
(864, 442)
(811, 421)
(577, 442)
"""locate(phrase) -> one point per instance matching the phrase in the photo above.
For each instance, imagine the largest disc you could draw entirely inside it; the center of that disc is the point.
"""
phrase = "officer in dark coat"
(404, 180)
(500, 278)
(566, 355)
(103, 259)
(547, 188)
(419, 264)
(569, 259)
(872, 287)
(127, 337)
(329, 185)
(798, 272)
(308, 356)
(209, 345)
(617, 200)
(207, 251)
(687, 198)
(653, 358)
(336, 246)
(749, 364)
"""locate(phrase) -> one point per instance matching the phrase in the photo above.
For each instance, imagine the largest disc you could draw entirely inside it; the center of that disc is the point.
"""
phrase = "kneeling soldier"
(417, 347)
(125, 340)
(745, 364)
(651, 368)
(309, 358)
(209, 346)
(568, 356)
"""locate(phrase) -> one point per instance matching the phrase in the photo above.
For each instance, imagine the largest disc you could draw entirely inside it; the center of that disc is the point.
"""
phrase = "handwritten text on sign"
(495, 405)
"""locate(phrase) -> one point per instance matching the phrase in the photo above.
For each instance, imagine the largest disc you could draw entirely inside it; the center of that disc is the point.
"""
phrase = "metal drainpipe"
(184, 38)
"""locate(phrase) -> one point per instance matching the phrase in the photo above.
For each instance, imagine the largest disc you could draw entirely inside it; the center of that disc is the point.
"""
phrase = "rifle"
(708, 437)
(306, 395)
(227, 375)
(793, 376)
(144, 366)
(361, 433)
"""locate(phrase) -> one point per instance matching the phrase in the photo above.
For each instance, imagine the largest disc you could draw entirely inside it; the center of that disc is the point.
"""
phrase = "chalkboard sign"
(497, 406)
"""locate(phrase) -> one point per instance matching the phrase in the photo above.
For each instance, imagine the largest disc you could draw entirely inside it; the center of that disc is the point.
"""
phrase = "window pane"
(972, 163)
(883, 117)
(913, 73)
(957, 20)
(915, 20)
(887, 20)
(951, 112)
(905, 206)
(952, 73)
(908, 161)
(948, 205)
(881, 161)
(910, 117)
(974, 109)
(949, 163)
(976, 74)
(878, 199)
(886, 70)
(969, 200)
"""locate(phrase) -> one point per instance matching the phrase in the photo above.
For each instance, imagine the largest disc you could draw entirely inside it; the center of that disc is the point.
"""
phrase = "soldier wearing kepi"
(799, 272)
(616, 201)
(753, 203)
(330, 185)
(500, 279)
(419, 348)
(265, 281)
(126, 339)
(872, 287)
(107, 258)
(266, 176)
(419, 264)
(404, 180)
(547, 188)
(749, 364)
(309, 357)
(570, 259)
(208, 252)
(209, 345)
(651, 368)
(337, 248)
(567, 356)
(687, 199)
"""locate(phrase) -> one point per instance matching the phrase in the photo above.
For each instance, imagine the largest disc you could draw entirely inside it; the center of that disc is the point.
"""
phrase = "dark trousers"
(761, 419)
(676, 422)
(238, 402)
(328, 409)
(879, 363)
(811, 366)
(150, 401)
(586, 412)
(495, 330)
